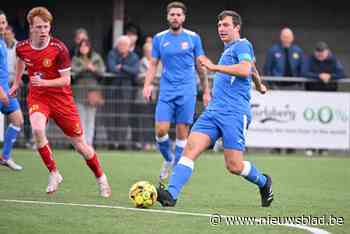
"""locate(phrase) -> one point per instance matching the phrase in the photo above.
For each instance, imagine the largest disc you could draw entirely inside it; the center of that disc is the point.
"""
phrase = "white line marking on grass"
(304, 227)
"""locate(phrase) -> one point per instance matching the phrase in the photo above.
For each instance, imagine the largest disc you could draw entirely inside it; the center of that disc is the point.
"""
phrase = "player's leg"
(93, 163)
(16, 122)
(233, 128)
(184, 118)
(203, 134)
(69, 121)
(163, 116)
(182, 131)
(38, 122)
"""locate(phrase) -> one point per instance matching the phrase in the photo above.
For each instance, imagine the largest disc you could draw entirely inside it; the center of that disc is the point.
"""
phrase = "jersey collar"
(41, 48)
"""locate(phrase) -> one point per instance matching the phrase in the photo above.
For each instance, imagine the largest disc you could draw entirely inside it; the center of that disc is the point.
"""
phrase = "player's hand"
(205, 62)
(206, 98)
(37, 81)
(13, 89)
(3, 97)
(262, 89)
(147, 92)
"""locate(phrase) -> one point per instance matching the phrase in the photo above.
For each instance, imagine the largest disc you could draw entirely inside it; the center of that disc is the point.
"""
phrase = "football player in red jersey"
(50, 95)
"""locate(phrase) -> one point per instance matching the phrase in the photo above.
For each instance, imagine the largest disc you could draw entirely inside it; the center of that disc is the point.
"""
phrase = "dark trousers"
(119, 100)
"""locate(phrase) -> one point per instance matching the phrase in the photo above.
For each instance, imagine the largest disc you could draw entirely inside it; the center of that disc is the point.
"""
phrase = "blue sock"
(253, 175)
(181, 174)
(164, 147)
(179, 148)
(10, 139)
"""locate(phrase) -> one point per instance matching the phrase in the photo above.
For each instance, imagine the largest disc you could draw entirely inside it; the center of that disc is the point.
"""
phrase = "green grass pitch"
(309, 186)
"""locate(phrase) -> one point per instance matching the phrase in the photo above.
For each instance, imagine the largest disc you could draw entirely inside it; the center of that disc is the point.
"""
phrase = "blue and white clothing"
(4, 80)
(228, 113)
(177, 53)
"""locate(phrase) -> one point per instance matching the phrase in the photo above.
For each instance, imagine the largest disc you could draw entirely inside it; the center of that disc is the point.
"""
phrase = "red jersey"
(47, 62)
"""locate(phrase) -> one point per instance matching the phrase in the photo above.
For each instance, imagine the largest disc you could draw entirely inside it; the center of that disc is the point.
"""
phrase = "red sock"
(46, 155)
(95, 166)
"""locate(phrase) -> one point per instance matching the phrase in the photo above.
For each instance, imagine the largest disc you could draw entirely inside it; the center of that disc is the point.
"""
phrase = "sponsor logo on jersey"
(184, 45)
(47, 62)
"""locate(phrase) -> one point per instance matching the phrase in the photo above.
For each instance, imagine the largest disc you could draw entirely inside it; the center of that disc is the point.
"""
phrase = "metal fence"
(124, 120)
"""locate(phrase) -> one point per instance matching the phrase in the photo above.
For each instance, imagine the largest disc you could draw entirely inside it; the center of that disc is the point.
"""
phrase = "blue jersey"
(232, 93)
(4, 73)
(177, 53)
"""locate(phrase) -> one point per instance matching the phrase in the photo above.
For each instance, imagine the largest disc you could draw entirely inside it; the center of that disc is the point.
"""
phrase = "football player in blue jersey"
(227, 115)
(8, 105)
(179, 50)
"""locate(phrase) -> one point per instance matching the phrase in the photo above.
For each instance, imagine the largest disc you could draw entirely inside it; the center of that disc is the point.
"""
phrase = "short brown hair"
(41, 12)
(236, 18)
(176, 5)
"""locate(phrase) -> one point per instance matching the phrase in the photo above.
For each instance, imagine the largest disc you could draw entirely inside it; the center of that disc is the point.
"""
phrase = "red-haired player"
(50, 96)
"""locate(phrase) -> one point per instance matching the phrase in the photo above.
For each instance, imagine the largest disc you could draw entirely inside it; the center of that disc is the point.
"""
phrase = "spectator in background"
(125, 66)
(11, 42)
(145, 121)
(79, 35)
(148, 39)
(133, 35)
(284, 59)
(88, 67)
(322, 66)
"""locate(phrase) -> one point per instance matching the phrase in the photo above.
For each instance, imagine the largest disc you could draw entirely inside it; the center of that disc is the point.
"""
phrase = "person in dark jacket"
(125, 65)
(324, 67)
(284, 59)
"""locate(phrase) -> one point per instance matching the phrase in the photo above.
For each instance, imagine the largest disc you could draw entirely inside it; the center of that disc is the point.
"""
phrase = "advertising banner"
(298, 119)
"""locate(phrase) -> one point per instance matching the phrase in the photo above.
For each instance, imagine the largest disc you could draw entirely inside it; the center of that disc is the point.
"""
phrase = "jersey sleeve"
(155, 48)
(63, 60)
(198, 48)
(18, 51)
(244, 52)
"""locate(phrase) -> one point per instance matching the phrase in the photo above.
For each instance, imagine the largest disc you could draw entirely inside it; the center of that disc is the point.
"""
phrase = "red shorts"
(61, 108)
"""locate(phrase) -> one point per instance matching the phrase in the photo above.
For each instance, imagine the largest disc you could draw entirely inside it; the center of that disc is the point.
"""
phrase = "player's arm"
(150, 75)
(3, 97)
(257, 80)
(242, 69)
(20, 67)
(203, 76)
(61, 81)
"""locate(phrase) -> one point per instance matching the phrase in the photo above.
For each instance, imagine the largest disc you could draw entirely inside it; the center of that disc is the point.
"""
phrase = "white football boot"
(12, 165)
(55, 179)
(165, 170)
(105, 189)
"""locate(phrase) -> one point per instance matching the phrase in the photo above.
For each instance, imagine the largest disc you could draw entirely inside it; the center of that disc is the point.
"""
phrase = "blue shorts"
(230, 126)
(13, 106)
(178, 110)
(13, 102)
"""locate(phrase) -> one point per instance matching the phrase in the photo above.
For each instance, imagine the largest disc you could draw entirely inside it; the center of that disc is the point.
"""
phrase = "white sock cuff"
(18, 129)
(186, 162)
(181, 143)
(246, 168)
(163, 138)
